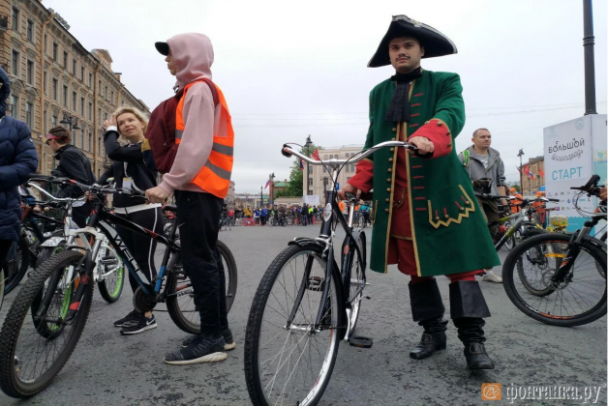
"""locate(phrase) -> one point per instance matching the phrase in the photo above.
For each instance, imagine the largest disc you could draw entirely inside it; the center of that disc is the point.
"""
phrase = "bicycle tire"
(173, 278)
(1, 287)
(352, 289)
(112, 295)
(10, 383)
(13, 279)
(509, 269)
(253, 374)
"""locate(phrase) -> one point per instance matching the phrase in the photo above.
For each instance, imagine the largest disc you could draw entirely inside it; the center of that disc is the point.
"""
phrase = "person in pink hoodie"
(199, 206)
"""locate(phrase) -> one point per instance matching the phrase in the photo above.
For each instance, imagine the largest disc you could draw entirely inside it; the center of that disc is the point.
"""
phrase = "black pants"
(198, 216)
(80, 214)
(142, 247)
(5, 247)
(263, 220)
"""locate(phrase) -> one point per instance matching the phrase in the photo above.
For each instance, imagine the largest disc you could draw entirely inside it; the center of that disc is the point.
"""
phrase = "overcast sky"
(290, 69)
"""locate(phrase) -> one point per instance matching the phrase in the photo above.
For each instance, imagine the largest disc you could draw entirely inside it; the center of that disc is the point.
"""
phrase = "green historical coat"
(449, 233)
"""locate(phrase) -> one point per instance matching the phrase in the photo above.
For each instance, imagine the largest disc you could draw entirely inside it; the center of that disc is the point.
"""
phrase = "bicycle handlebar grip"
(592, 182)
(285, 153)
(553, 200)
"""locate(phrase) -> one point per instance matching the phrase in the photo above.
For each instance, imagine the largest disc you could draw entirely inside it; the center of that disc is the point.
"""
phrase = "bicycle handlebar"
(288, 152)
(591, 187)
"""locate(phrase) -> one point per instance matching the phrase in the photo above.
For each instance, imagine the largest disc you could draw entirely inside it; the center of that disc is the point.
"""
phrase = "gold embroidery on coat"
(464, 214)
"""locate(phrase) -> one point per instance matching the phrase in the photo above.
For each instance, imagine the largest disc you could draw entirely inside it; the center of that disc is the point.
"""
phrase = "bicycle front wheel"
(579, 299)
(36, 341)
(290, 362)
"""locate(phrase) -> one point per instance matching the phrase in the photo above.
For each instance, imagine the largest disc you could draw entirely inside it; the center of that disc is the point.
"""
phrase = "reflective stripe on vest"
(214, 177)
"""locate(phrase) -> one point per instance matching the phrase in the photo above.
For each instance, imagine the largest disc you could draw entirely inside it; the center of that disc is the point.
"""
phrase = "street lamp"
(72, 121)
(271, 196)
(307, 146)
(521, 171)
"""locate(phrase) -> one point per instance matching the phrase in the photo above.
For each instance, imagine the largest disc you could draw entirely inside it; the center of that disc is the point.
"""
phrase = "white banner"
(312, 200)
(568, 152)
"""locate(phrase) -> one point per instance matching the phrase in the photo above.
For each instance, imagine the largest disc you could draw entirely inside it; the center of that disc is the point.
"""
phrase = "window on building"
(74, 101)
(30, 30)
(100, 146)
(46, 47)
(16, 15)
(55, 51)
(29, 108)
(74, 67)
(105, 95)
(55, 88)
(14, 106)
(82, 73)
(65, 96)
(99, 86)
(29, 73)
(45, 123)
(91, 146)
(82, 106)
(112, 97)
(98, 116)
(53, 121)
(65, 59)
(90, 111)
(44, 83)
(15, 63)
(82, 139)
(90, 80)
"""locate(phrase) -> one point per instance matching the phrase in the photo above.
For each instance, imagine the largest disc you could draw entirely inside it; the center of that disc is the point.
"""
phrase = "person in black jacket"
(132, 166)
(73, 164)
(18, 159)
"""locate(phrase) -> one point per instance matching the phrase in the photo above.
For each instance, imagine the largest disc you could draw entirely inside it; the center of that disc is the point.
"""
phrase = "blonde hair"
(143, 118)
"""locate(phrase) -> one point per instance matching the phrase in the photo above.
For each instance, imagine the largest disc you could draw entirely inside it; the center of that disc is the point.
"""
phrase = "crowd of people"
(288, 214)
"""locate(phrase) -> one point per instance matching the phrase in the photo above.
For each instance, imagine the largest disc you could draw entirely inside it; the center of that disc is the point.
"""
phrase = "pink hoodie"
(193, 56)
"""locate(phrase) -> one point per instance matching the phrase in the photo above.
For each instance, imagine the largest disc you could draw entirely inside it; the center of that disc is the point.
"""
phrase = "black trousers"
(5, 247)
(80, 214)
(198, 217)
(142, 247)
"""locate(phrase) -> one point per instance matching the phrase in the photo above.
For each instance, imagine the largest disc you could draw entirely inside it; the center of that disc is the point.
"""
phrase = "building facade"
(318, 179)
(532, 184)
(56, 81)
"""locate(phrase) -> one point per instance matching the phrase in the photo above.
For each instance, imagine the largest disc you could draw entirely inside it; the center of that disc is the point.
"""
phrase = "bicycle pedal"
(361, 342)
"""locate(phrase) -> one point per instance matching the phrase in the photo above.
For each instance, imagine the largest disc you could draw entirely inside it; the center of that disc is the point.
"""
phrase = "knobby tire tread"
(14, 321)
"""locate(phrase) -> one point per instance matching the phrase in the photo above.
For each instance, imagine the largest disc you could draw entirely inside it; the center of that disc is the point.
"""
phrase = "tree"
(296, 176)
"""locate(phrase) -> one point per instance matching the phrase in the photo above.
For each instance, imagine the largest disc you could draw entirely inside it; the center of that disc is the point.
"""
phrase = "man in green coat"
(425, 215)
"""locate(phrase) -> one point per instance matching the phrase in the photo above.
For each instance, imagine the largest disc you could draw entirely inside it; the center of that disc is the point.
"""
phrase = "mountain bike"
(47, 317)
(25, 252)
(564, 276)
(517, 224)
(306, 304)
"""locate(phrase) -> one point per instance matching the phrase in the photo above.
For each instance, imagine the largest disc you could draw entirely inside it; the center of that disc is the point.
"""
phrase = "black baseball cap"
(162, 47)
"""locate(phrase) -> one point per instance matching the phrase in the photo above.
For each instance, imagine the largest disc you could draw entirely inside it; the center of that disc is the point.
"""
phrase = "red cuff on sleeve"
(439, 134)
(364, 178)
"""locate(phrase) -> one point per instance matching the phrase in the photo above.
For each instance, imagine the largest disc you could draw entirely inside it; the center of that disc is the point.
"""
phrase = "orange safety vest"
(214, 177)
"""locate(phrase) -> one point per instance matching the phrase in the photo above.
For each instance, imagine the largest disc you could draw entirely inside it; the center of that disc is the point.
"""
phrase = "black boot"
(468, 308)
(427, 309)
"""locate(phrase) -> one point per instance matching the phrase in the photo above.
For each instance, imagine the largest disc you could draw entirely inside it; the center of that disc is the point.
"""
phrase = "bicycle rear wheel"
(527, 274)
(35, 343)
(110, 287)
(291, 363)
(180, 293)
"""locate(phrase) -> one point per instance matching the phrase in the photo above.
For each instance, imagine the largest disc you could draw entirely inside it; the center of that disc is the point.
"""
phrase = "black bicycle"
(306, 304)
(47, 318)
(560, 279)
(36, 229)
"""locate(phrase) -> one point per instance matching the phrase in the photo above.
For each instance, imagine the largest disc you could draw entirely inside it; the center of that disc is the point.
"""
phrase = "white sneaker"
(490, 276)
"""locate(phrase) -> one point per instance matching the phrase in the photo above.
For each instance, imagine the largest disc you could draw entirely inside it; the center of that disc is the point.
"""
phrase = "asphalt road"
(109, 369)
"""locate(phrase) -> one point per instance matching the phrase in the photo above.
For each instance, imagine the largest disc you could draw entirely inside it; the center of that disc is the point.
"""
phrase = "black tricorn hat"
(434, 42)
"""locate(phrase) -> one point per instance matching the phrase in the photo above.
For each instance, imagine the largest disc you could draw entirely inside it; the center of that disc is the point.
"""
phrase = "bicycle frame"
(521, 217)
